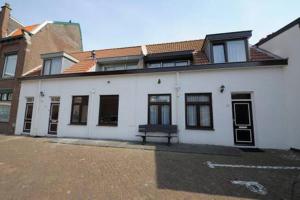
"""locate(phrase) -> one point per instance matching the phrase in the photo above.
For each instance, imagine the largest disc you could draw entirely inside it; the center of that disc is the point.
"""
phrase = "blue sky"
(119, 23)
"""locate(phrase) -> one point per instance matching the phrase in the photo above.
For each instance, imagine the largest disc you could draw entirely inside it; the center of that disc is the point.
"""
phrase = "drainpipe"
(177, 89)
(90, 116)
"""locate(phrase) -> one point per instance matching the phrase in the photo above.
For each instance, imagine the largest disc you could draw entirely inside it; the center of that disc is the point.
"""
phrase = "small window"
(199, 111)
(159, 109)
(5, 105)
(79, 110)
(109, 108)
(52, 66)
(168, 64)
(154, 65)
(236, 51)
(10, 66)
(219, 53)
(182, 63)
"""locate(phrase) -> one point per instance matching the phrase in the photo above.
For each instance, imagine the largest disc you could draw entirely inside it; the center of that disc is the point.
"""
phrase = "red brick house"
(20, 50)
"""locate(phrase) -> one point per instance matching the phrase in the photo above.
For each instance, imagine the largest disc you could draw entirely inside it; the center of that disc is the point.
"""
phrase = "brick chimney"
(4, 19)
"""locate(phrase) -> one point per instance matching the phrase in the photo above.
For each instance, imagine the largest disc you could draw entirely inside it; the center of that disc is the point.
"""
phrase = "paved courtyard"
(35, 168)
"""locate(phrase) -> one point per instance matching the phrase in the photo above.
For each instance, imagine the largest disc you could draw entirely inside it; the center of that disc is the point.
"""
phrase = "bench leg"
(169, 141)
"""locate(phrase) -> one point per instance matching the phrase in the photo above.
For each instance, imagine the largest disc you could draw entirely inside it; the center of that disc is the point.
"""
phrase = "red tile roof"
(18, 31)
(82, 66)
(257, 54)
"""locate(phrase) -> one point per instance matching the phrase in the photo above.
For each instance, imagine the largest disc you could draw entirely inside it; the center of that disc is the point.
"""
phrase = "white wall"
(287, 45)
(265, 83)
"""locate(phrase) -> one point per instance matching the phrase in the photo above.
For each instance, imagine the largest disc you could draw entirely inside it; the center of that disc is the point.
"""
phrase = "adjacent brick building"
(20, 50)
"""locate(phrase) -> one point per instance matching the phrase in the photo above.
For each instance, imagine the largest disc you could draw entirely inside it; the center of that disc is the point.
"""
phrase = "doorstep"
(178, 148)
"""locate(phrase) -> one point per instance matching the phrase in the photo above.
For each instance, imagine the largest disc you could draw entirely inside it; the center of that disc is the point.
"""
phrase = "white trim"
(12, 18)
(41, 26)
(144, 50)
(59, 54)
(32, 70)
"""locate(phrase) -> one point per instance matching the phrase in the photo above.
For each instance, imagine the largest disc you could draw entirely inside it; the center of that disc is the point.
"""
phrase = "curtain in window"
(236, 51)
(153, 114)
(191, 115)
(204, 115)
(218, 52)
(10, 65)
(56, 66)
(47, 66)
(165, 114)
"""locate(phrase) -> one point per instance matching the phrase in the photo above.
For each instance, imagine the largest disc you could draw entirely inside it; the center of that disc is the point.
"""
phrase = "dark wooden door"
(53, 118)
(243, 123)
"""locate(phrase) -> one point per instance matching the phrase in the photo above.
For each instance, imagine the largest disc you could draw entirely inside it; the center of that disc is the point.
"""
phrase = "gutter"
(236, 65)
(11, 38)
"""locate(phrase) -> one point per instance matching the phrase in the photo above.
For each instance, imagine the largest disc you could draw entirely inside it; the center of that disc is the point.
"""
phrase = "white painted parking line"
(214, 165)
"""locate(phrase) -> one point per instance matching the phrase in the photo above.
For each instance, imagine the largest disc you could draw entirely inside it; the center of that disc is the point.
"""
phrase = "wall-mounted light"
(108, 82)
(42, 94)
(222, 88)
(158, 81)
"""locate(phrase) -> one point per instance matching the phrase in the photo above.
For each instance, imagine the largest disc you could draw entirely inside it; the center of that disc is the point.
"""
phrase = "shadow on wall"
(190, 173)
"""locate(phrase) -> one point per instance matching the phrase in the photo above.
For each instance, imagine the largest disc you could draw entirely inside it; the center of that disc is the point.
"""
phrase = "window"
(109, 107)
(230, 51)
(119, 66)
(236, 51)
(172, 63)
(5, 104)
(159, 109)
(79, 110)
(10, 66)
(52, 66)
(198, 111)
(28, 114)
(219, 53)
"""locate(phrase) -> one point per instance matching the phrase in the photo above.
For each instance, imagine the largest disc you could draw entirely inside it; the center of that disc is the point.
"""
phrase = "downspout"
(35, 129)
(177, 89)
(92, 111)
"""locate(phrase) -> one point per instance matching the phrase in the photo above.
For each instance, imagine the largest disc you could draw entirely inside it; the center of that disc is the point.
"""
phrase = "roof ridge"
(175, 42)
(106, 49)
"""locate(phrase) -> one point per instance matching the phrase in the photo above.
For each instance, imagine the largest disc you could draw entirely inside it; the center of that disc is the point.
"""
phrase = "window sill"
(2, 122)
(78, 124)
(199, 128)
(112, 125)
(7, 79)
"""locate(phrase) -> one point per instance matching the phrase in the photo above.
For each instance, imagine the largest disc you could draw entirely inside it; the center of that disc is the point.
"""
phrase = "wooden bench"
(167, 131)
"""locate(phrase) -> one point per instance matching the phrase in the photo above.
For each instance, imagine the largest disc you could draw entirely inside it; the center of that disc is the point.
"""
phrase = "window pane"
(204, 115)
(182, 63)
(165, 114)
(114, 67)
(160, 98)
(131, 66)
(75, 114)
(109, 106)
(84, 113)
(56, 66)
(191, 115)
(154, 65)
(4, 97)
(4, 113)
(169, 64)
(47, 65)
(236, 51)
(218, 51)
(197, 98)
(77, 99)
(29, 110)
(10, 66)
(153, 114)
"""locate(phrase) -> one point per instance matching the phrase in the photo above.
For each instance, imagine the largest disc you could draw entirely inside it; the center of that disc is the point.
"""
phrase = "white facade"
(287, 45)
(265, 83)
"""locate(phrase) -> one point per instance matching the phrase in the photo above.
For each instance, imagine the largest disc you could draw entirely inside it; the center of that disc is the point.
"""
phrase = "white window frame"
(5, 66)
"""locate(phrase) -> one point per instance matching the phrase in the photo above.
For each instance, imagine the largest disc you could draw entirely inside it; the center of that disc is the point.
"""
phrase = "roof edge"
(281, 30)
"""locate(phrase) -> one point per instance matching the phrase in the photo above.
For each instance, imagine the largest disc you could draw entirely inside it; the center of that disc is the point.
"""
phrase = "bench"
(167, 131)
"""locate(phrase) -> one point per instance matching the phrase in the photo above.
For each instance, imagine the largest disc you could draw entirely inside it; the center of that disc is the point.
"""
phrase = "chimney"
(4, 20)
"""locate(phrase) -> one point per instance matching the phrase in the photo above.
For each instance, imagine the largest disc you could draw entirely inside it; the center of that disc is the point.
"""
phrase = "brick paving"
(34, 168)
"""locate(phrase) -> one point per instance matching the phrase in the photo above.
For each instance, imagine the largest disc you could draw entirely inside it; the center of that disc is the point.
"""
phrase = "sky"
(121, 23)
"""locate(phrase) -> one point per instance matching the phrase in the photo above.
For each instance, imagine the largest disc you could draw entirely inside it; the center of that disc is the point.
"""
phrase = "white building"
(217, 91)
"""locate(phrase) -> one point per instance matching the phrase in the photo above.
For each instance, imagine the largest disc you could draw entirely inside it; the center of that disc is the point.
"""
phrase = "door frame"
(49, 120)
(249, 102)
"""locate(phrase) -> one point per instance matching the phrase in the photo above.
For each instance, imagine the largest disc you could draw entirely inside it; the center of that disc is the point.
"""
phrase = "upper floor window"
(173, 63)
(230, 51)
(52, 66)
(118, 66)
(10, 66)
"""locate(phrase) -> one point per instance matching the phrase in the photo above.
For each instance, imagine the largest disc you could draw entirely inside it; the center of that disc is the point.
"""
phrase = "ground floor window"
(5, 104)
(79, 110)
(159, 109)
(109, 107)
(198, 109)
(28, 114)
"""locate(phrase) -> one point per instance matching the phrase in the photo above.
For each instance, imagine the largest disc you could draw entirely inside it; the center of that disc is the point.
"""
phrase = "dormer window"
(229, 51)
(52, 66)
(172, 63)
